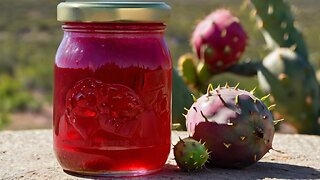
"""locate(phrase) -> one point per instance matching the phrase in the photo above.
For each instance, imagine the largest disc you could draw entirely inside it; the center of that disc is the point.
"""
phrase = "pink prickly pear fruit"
(235, 126)
(219, 40)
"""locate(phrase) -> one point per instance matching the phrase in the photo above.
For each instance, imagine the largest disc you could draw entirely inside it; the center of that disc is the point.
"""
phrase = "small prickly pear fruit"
(236, 126)
(219, 40)
(187, 68)
(190, 154)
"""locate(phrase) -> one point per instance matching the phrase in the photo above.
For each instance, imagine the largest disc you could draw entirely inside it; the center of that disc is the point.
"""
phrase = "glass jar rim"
(103, 11)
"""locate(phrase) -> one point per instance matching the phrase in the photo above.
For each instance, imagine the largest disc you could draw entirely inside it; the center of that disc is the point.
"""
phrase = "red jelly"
(112, 95)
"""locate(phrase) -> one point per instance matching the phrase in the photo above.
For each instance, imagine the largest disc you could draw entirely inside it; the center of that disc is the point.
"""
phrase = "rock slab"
(29, 155)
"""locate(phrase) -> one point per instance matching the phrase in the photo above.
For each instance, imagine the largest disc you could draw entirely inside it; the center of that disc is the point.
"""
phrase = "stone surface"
(29, 155)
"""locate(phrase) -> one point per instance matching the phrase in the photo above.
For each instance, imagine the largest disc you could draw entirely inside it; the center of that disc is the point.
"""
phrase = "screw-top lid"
(103, 11)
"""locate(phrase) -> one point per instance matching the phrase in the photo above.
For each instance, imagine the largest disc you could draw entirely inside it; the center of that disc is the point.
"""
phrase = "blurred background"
(30, 35)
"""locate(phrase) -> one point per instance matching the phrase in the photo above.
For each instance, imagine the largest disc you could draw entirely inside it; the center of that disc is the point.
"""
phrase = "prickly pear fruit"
(293, 84)
(219, 40)
(236, 126)
(190, 154)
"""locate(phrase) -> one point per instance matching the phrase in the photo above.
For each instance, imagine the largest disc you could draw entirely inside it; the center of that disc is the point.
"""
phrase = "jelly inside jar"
(112, 103)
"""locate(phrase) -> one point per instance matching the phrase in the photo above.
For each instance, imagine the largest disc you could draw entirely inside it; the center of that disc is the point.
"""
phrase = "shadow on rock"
(283, 171)
(260, 170)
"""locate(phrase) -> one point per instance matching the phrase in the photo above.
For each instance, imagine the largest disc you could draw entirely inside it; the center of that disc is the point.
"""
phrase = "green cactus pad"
(293, 85)
(204, 73)
(277, 24)
(187, 68)
(180, 99)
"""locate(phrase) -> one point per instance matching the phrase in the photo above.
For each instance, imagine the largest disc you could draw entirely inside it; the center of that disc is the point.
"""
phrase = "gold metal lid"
(102, 11)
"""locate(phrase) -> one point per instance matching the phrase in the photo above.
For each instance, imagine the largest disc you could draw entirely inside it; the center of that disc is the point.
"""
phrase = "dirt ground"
(31, 120)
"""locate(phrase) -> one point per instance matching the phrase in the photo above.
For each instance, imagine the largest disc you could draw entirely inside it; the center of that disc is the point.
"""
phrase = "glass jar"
(112, 88)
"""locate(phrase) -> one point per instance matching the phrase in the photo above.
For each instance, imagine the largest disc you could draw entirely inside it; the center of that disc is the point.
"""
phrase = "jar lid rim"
(102, 11)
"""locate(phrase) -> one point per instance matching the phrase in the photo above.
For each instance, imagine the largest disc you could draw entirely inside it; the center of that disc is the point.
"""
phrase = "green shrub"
(3, 119)
(14, 97)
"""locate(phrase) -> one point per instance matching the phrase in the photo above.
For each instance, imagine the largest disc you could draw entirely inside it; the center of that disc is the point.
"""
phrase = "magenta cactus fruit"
(236, 126)
(219, 40)
(190, 154)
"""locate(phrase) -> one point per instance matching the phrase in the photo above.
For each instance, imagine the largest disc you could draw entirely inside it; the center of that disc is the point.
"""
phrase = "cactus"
(286, 72)
(219, 40)
(278, 26)
(318, 76)
(248, 68)
(294, 87)
(236, 126)
(180, 100)
(204, 73)
(187, 69)
(190, 154)
(195, 74)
